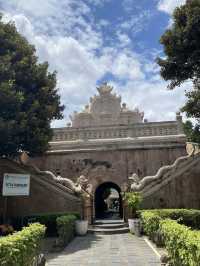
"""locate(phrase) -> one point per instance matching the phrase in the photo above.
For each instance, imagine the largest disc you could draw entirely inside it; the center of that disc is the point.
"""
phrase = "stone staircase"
(108, 227)
(175, 185)
(150, 184)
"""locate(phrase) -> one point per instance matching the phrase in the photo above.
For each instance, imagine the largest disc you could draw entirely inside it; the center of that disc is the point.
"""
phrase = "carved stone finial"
(104, 89)
(134, 178)
(86, 109)
(24, 158)
(83, 183)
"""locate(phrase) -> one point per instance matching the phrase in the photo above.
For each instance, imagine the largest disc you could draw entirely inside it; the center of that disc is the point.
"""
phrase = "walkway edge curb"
(152, 247)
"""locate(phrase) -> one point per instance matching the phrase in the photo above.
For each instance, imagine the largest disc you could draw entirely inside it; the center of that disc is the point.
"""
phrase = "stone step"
(107, 231)
(105, 221)
(109, 226)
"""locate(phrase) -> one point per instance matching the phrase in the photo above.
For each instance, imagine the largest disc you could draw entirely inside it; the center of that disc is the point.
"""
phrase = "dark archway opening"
(108, 201)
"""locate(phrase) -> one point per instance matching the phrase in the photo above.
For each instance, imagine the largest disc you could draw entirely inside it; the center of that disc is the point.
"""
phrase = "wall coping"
(152, 142)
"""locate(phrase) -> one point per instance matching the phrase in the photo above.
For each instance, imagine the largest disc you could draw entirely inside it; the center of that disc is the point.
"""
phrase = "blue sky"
(90, 41)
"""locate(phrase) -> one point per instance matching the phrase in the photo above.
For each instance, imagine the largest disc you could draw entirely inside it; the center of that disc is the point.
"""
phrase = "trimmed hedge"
(66, 228)
(20, 248)
(151, 222)
(188, 217)
(182, 243)
(48, 219)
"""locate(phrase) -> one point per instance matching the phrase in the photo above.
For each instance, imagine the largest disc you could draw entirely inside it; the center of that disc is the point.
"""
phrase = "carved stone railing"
(150, 184)
(112, 132)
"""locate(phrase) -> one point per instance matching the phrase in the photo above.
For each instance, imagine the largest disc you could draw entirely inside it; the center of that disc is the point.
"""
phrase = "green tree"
(192, 106)
(192, 132)
(181, 45)
(182, 49)
(29, 100)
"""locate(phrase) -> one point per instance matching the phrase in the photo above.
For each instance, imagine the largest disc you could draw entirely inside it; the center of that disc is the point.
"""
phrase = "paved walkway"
(105, 250)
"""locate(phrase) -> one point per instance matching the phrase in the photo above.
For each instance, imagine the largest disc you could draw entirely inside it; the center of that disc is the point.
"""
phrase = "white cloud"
(103, 23)
(151, 67)
(127, 66)
(152, 97)
(22, 23)
(136, 23)
(123, 38)
(44, 8)
(77, 67)
(77, 51)
(98, 2)
(168, 6)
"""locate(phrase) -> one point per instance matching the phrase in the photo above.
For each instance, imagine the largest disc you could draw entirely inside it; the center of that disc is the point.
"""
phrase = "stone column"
(88, 209)
(125, 211)
(124, 189)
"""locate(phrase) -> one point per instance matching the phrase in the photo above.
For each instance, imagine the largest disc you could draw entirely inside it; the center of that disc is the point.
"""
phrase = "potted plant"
(133, 200)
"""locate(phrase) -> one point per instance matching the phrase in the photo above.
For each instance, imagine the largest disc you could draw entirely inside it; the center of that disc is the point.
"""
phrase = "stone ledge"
(172, 141)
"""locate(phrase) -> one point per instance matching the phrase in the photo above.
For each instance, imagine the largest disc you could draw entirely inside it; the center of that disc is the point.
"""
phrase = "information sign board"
(16, 184)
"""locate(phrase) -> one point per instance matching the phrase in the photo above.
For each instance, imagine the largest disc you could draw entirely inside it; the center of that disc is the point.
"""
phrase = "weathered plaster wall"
(183, 191)
(112, 165)
(45, 196)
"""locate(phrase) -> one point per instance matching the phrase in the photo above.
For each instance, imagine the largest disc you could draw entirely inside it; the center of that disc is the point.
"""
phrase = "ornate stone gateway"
(108, 201)
(107, 142)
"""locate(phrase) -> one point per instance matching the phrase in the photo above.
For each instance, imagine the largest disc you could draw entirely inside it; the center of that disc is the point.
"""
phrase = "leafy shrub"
(134, 200)
(49, 220)
(21, 248)
(150, 222)
(65, 228)
(151, 227)
(188, 217)
(182, 244)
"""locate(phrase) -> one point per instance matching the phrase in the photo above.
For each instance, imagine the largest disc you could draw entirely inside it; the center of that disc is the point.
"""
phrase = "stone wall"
(46, 196)
(182, 191)
(174, 186)
(109, 165)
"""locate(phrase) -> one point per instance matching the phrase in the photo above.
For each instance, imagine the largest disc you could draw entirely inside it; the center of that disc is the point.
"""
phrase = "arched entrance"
(108, 201)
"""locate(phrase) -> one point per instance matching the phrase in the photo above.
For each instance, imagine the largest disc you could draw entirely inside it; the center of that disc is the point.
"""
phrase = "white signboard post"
(16, 184)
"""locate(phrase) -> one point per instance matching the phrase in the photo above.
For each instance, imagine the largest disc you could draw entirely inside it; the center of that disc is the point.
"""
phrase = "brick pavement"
(105, 250)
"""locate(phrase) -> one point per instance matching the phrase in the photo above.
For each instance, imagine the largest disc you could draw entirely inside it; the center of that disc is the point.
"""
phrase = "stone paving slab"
(105, 250)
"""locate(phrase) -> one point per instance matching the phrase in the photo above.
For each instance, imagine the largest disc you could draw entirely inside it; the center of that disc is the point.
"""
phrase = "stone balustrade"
(113, 132)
